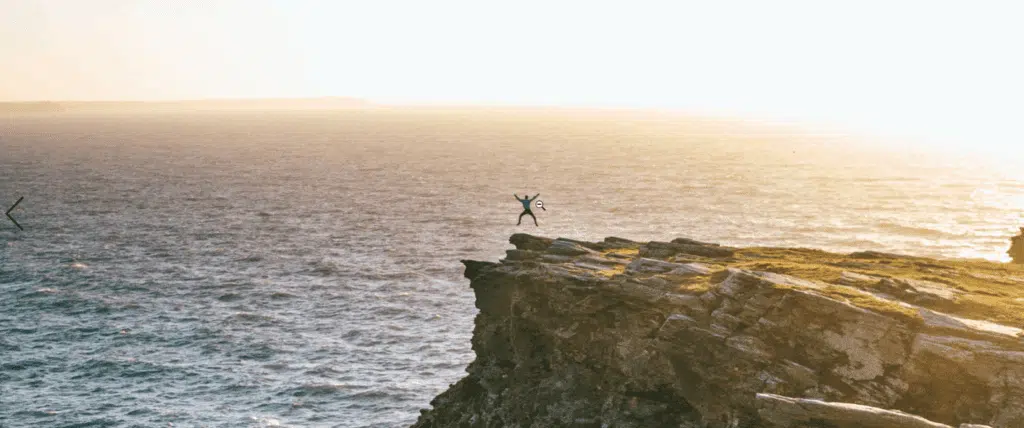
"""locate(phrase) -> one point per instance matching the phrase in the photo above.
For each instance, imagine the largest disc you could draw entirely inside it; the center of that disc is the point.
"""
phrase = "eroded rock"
(784, 412)
(524, 241)
(662, 250)
(918, 291)
(573, 334)
(645, 265)
(564, 247)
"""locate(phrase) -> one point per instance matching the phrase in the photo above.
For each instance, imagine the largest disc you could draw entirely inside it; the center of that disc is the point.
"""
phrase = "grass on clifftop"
(985, 290)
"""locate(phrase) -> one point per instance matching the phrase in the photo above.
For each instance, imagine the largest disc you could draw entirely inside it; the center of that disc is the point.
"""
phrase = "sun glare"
(936, 70)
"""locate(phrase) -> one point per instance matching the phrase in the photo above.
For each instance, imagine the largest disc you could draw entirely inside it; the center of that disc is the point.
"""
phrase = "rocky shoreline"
(691, 334)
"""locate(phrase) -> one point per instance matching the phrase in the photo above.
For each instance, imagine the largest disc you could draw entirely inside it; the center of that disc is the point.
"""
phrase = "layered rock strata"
(693, 334)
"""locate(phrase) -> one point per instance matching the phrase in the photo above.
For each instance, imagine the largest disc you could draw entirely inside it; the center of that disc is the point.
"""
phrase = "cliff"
(692, 334)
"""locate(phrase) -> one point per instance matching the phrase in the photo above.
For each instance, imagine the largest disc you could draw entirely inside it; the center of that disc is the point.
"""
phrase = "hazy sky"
(937, 68)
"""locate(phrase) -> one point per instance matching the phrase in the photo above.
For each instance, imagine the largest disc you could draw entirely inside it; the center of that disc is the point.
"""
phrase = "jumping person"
(526, 201)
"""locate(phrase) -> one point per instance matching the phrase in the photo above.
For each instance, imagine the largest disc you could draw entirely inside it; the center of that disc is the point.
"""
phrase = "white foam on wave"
(265, 421)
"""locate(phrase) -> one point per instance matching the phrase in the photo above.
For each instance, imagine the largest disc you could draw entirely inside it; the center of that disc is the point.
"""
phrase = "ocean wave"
(251, 317)
(121, 368)
(916, 231)
(266, 422)
(35, 414)
(23, 364)
(261, 352)
(8, 347)
(97, 422)
(375, 393)
(325, 268)
(324, 370)
(315, 389)
(230, 297)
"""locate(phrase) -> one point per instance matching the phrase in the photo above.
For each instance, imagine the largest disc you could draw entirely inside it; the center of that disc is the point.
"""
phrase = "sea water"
(302, 268)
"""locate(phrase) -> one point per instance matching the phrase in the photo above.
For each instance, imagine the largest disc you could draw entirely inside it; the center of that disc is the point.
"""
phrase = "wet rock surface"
(694, 334)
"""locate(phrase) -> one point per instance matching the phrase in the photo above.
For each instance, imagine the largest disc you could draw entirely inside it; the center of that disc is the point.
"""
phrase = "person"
(526, 201)
(1016, 251)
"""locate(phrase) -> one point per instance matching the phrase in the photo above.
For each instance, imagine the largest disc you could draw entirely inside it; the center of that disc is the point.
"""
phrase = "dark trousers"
(525, 212)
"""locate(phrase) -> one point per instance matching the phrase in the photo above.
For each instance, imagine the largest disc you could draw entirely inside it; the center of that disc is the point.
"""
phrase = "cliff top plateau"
(693, 334)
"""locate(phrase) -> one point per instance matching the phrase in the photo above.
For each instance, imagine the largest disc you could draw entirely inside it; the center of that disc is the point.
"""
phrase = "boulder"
(584, 244)
(564, 247)
(877, 255)
(664, 250)
(520, 255)
(524, 241)
(688, 241)
(612, 242)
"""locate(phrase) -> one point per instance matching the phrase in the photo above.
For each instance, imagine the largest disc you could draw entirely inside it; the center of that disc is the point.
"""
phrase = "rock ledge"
(692, 334)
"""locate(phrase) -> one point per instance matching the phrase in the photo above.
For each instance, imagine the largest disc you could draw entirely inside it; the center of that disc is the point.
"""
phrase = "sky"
(946, 70)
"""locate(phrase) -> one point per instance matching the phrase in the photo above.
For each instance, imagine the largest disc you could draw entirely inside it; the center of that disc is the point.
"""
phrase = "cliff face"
(691, 334)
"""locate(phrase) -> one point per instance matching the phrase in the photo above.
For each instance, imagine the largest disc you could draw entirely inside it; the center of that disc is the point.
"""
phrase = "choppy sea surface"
(302, 268)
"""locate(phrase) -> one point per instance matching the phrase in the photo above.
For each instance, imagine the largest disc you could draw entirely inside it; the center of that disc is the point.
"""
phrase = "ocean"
(255, 269)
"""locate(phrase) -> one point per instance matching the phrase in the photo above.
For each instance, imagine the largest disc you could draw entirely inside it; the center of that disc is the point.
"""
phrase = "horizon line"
(179, 100)
(800, 125)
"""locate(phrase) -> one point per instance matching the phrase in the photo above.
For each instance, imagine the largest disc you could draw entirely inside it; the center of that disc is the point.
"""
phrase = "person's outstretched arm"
(517, 196)
(535, 196)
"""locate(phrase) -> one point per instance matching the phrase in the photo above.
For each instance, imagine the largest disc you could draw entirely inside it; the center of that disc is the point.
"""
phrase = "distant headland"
(31, 107)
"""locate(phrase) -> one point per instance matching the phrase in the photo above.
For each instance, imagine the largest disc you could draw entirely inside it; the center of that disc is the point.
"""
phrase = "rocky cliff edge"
(692, 334)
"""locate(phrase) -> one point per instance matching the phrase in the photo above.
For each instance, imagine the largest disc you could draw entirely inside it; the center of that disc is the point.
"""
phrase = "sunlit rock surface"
(693, 334)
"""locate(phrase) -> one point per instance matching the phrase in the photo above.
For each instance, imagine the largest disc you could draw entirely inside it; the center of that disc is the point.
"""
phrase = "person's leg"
(521, 218)
(534, 218)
